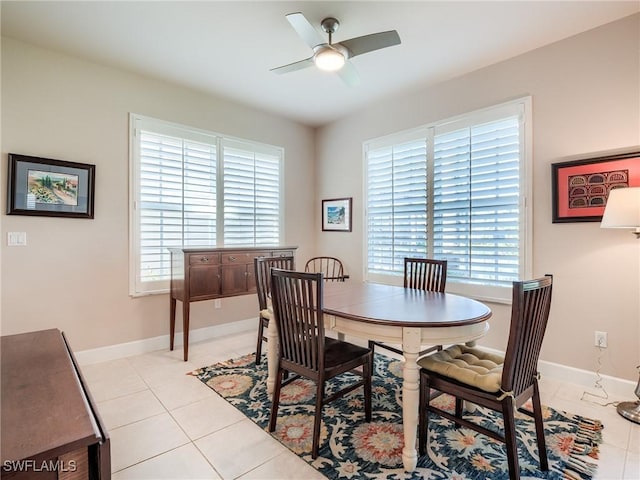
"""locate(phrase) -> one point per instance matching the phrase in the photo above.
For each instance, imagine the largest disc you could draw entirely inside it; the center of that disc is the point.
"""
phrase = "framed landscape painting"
(336, 215)
(48, 187)
(581, 188)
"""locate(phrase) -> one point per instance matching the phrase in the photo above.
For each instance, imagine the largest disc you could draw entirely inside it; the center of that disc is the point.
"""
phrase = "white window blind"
(396, 205)
(177, 201)
(192, 188)
(251, 195)
(476, 204)
(453, 190)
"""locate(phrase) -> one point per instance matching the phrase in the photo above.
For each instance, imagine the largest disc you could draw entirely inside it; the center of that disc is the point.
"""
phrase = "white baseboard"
(613, 385)
(617, 387)
(584, 378)
(139, 347)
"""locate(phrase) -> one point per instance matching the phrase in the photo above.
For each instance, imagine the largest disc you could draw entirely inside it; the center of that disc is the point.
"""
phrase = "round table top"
(403, 307)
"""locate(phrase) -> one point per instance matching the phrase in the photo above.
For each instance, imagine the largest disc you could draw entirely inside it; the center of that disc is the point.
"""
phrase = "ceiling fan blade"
(292, 67)
(302, 26)
(349, 74)
(369, 43)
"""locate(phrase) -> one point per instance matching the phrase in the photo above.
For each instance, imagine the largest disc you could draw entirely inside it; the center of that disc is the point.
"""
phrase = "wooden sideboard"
(50, 426)
(211, 273)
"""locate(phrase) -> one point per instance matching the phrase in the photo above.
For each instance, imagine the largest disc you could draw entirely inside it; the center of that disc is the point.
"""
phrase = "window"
(195, 188)
(453, 190)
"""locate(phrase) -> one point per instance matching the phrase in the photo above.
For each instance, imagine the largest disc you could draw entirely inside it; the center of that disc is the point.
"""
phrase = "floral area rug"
(354, 449)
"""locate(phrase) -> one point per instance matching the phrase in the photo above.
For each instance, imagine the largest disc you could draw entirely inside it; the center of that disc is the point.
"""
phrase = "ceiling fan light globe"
(329, 60)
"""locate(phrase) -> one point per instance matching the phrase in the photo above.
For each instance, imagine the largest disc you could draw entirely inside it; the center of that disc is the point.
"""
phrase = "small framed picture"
(51, 188)
(336, 215)
(581, 187)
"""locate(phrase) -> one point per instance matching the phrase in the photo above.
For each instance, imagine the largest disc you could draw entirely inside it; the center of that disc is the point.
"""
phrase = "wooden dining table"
(397, 315)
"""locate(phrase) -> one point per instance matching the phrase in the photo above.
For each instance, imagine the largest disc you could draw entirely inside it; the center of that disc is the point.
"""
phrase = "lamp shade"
(623, 209)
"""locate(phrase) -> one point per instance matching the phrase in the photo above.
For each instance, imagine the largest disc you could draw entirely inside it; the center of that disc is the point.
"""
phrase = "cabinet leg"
(172, 321)
(185, 328)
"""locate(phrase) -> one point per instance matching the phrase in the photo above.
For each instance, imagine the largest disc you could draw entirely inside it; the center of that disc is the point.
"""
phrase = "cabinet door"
(204, 281)
(251, 278)
(234, 279)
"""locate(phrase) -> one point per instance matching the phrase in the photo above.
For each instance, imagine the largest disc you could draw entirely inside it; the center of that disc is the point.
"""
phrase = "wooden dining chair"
(331, 267)
(262, 269)
(306, 351)
(492, 381)
(425, 274)
(422, 274)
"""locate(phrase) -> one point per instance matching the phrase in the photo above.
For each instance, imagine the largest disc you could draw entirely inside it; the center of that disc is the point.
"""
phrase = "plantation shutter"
(396, 204)
(251, 194)
(194, 188)
(476, 213)
(177, 199)
(454, 190)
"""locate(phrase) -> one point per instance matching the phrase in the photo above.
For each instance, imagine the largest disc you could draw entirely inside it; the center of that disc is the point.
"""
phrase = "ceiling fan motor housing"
(344, 51)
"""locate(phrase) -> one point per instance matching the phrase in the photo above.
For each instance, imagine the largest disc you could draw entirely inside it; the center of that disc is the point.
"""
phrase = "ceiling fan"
(334, 57)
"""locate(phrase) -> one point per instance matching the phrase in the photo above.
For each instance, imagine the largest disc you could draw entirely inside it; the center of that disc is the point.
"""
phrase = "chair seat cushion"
(337, 352)
(467, 365)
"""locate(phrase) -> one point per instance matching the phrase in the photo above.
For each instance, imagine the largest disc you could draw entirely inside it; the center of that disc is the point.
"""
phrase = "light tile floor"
(167, 425)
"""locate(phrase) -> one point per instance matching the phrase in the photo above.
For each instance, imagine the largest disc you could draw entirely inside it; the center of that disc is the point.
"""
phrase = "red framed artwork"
(581, 187)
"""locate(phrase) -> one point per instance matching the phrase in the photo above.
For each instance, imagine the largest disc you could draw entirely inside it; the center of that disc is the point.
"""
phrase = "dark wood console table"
(50, 426)
(210, 273)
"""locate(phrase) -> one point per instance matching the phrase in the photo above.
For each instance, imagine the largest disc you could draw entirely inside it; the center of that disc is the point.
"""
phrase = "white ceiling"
(227, 48)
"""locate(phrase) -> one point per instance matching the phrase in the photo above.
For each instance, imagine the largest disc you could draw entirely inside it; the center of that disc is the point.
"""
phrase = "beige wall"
(586, 99)
(73, 274)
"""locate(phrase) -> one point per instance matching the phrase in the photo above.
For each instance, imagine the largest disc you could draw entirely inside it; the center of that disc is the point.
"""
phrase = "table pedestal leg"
(410, 396)
(272, 355)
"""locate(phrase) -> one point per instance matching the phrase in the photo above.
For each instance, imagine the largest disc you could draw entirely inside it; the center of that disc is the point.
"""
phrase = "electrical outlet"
(217, 303)
(601, 339)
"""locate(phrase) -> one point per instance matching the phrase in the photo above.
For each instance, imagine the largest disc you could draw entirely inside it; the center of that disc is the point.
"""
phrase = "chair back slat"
(262, 268)
(425, 274)
(331, 267)
(529, 316)
(297, 308)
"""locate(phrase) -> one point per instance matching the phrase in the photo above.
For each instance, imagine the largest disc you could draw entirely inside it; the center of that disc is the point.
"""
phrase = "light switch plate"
(17, 239)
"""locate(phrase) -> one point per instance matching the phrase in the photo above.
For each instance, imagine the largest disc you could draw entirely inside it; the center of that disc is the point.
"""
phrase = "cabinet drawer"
(283, 253)
(242, 257)
(204, 258)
